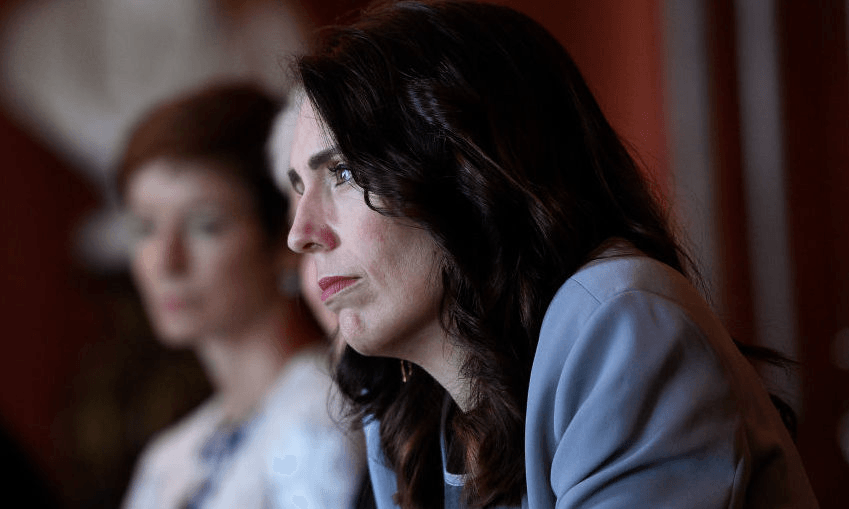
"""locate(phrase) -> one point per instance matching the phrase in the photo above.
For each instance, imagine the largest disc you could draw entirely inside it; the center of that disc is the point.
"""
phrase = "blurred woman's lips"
(334, 284)
(172, 303)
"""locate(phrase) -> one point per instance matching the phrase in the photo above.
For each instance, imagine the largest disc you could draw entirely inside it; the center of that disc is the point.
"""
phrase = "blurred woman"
(521, 329)
(210, 262)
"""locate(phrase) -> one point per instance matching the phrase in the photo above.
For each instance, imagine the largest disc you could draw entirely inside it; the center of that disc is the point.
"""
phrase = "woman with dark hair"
(210, 261)
(472, 213)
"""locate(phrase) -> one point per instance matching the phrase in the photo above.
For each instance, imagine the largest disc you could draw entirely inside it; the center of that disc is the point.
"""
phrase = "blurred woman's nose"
(310, 231)
(172, 253)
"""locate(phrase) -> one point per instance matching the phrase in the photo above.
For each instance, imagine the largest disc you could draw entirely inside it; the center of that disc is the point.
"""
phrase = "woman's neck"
(445, 365)
(243, 367)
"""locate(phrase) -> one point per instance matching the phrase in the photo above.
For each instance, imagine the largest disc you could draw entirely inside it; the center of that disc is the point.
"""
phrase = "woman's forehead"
(168, 180)
(310, 140)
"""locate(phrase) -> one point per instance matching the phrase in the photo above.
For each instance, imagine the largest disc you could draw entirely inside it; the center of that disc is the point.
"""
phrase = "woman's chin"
(177, 337)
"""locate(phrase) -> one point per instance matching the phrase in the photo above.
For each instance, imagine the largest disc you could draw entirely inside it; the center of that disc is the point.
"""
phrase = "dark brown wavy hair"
(474, 122)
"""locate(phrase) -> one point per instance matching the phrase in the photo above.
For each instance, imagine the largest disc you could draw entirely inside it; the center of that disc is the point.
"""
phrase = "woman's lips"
(173, 304)
(333, 284)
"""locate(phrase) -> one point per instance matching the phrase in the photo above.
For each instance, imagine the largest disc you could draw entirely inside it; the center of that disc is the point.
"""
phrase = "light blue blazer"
(638, 398)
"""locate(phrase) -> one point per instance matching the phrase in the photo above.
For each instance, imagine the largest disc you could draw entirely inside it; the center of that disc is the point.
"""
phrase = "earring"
(405, 371)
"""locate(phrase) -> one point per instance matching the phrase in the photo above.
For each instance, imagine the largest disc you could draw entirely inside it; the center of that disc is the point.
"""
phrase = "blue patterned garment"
(221, 447)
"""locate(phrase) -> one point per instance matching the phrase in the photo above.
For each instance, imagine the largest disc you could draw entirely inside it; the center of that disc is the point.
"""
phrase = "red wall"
(45, 319)
(619, 48)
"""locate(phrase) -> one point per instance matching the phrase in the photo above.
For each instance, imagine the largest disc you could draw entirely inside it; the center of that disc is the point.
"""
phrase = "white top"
(291, 453)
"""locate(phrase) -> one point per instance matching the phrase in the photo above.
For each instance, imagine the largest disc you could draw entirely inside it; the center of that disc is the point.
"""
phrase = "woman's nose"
(173, 256)
(310, 231)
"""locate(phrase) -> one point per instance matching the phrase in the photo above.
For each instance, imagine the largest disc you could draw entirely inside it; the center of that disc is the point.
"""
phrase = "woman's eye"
(343, 173)
(206, 226)
(297, 182)
(139, 228)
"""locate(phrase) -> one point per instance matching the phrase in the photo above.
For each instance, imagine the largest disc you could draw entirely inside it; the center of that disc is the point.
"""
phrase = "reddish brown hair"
(225, 124)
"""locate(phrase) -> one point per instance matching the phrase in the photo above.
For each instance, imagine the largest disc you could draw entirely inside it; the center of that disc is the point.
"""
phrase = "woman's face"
(378, 274)
(312, 295)
(200, 258)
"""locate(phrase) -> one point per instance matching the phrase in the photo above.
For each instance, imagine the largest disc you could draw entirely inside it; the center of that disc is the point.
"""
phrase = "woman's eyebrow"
(321, 157)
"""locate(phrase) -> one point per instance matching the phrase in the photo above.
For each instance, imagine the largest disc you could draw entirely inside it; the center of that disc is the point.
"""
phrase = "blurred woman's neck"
(243, 367)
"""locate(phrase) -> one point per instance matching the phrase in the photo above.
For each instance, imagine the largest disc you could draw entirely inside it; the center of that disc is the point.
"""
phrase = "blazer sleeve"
(630, 406)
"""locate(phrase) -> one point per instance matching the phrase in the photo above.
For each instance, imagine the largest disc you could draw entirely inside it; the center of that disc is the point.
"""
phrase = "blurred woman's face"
(200, 258)
(379, 275)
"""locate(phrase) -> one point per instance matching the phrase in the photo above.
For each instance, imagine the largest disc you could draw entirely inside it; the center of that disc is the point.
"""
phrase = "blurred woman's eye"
(139, 228)
(342, 173)
(205, 225)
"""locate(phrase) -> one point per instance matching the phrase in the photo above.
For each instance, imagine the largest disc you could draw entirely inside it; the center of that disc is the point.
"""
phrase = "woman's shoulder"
(168, 463)
(302, 406)
(605, 278)
(613, 281)
(623, 289)
(634, 369)
(304, 385)
(630, 316)
(302, 440)
(172, 444)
